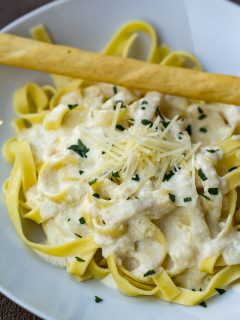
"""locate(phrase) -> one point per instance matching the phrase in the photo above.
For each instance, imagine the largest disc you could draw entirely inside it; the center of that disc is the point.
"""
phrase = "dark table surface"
(9, 11)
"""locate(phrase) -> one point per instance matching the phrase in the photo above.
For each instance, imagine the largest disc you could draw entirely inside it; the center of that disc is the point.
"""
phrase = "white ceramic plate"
(210, 29)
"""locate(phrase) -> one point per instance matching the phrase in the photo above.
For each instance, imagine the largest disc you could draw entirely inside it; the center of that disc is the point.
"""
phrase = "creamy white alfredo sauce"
(122, 165)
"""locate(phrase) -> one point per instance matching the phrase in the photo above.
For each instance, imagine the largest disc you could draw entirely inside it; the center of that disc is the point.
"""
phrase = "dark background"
(9, 11)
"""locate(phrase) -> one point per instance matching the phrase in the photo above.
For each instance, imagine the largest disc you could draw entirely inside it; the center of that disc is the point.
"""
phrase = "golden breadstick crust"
(76, 63)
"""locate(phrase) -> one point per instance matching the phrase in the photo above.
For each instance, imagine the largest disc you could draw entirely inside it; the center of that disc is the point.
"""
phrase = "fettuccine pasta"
(139, 188)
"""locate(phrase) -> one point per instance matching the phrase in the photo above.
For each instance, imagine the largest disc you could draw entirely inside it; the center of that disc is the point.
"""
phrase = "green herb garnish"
(202, 129)
(80, 149)
(115, 174)
(168, 175)
(72, 106)
(92, 182)
(149, 273)
(120, 127)
(231, 169)
(165, 123)
(202, 116)
(189, 129)
(98, 300)
(213, 191)
(220, 291)
(144, 102)
(79, 259)
(68, 219)
(204, 196)
(78, 235)
(202, 175)
(136, 177)
(82, 220)
(200, 110)
(103, 152)
(96, 195)
(172, 197)
(143, 108)
(115, 90)
(212, 150)
(203, 304)
(187, 199)
(122, 105)
(147, 122)
(81, 172)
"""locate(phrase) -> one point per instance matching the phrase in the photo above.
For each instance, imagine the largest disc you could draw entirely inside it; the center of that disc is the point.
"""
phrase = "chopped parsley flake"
(81, 172)
(149, 273)
(115, 174)
(98, 299)
(144, 102)
(80, 149)
(203, 130)
(79, 259)
(202, 175)
(136, 177)
(72, 106)
(231, 169)
(165, 123)
(117, 102)
(202, 116)
(120, 127)
(143, 108)
(203, 304)
(96, 195)
(147, 122)
(172, 197)
(78, 235)
(213, 191)
(189, 129)
(168, 176)
(115, 90)
(200, 110)
(68, 219)
(187, 199)
(82, 220)
(220, 291)
(92, 182)
(103, 152)
(212, 150)
(204, 196)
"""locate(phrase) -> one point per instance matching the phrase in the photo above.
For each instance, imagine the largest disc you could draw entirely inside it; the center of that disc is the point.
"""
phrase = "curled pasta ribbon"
(30, 103)
(54, 119)
(79, 267)
(181, 59)
(122, 41)
(51, 170)
(220, 279)
(21, 177)
(73, 86)
(233, 179)
(229, 145)
(208, 263)
(97, 271)
(124, 285)
(229, 160)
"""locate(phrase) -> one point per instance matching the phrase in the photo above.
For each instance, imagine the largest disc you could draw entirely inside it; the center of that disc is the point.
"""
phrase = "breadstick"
(76, 63)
